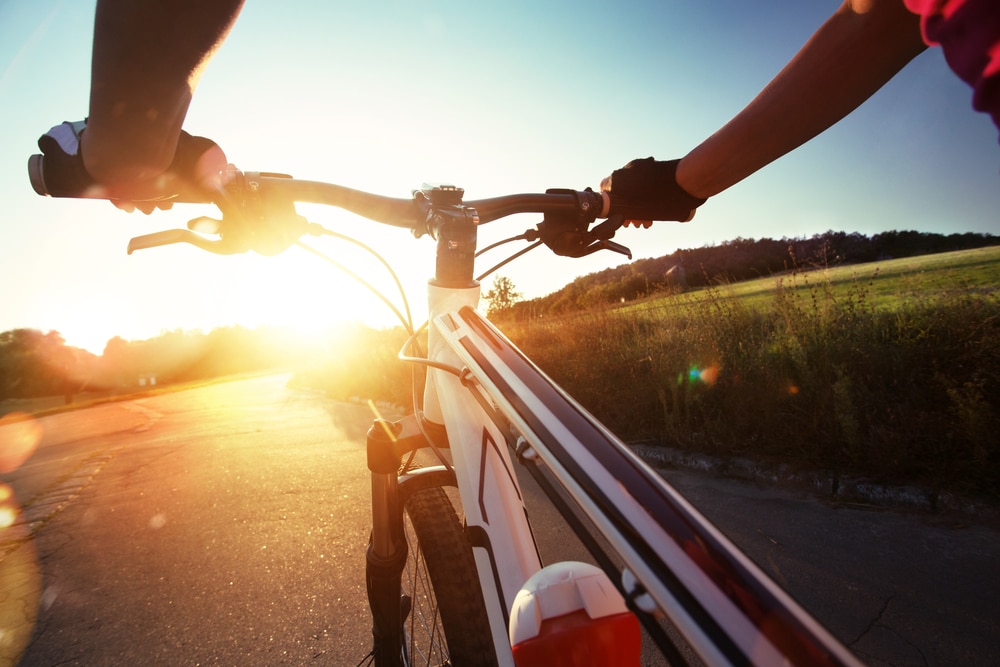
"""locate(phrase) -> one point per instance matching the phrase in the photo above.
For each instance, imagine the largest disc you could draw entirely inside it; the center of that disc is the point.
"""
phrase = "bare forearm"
(853, 54)
(146, 61)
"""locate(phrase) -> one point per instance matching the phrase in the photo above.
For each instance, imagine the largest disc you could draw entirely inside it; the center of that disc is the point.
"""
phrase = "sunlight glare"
(182, 288)
(8, 515)
(8, 511)
(20, 580)
(19, 436)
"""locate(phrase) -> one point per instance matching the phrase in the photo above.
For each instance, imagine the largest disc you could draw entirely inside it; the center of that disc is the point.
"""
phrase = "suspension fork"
(454, 228)
(385, 559)
(387, 550)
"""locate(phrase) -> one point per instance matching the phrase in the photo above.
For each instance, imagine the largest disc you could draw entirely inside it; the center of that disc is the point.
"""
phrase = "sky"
(496, 97)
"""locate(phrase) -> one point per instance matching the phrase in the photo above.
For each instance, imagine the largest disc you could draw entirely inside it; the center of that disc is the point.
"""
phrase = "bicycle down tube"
(491, 498)
(727, 610)
(485, 409)
(725, 607)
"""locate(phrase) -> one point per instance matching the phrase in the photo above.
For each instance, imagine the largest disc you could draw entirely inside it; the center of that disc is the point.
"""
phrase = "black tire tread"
(452, 570)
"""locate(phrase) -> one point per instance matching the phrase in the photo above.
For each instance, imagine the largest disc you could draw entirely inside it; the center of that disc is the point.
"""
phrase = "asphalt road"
(226, 525)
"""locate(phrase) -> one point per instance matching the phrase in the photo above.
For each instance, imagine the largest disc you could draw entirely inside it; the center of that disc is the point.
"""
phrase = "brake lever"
(570, 237)
(604, 231)
(171, 236)
(251, 220)
(604, 244)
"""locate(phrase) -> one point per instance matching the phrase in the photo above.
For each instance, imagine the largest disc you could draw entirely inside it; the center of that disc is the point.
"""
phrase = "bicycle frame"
(495, 403)
(691, 572)
(490, 405)
(495, 515)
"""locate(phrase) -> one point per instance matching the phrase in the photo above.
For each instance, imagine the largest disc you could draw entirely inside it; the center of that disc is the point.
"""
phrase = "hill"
(886, 371)
(742, 259)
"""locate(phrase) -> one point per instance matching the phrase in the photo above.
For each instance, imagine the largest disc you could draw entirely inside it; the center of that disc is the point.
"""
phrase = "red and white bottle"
(570, 615)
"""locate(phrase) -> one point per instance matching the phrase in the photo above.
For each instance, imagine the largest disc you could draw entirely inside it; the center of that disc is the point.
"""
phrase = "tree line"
(35, 363)
(741, 259)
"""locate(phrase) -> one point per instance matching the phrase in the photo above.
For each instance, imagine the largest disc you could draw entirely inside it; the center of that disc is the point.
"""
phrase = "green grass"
(888, 370)
(886, 284)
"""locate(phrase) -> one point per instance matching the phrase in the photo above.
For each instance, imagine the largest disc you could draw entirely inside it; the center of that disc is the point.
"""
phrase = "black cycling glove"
(646, 189)
(61, 172)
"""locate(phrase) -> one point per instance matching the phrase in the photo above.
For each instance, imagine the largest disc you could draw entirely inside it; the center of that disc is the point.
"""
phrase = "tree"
(33, 363)
(502, 297)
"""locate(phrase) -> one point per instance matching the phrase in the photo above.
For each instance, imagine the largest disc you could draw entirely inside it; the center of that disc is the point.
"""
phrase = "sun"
(306, 292)
(180, 287)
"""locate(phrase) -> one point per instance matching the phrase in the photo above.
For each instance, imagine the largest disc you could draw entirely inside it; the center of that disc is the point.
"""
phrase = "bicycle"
(473, 590)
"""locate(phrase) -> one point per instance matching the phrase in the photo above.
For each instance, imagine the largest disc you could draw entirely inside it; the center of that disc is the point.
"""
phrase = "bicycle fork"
(387, 550)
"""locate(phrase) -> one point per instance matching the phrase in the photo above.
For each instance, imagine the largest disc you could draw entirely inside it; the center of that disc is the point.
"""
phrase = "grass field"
(889, 370)
(888, 283)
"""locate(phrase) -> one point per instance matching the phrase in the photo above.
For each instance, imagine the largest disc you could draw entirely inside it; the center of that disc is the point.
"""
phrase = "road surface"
(227, 524)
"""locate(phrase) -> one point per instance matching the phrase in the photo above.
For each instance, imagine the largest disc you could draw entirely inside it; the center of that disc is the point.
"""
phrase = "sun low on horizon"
(497, 98)
(183, 288)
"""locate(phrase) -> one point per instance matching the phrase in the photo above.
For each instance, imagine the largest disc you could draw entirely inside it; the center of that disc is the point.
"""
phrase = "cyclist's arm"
(147, 57)
(863, 45)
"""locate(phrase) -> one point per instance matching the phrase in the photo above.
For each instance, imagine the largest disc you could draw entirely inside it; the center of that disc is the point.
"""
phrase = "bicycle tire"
(443, 586)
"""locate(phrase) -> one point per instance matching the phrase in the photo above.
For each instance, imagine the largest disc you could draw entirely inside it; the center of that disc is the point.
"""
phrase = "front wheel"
(447, 622)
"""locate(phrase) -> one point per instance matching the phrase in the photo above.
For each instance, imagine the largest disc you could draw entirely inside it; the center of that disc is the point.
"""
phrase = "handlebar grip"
(80, 187)
(645, 214)
(36, 174)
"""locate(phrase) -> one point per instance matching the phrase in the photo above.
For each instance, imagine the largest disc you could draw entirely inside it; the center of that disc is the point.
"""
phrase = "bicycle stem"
(455, 227)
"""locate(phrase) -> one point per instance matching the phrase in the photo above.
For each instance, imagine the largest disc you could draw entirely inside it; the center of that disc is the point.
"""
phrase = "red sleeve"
(968, 32)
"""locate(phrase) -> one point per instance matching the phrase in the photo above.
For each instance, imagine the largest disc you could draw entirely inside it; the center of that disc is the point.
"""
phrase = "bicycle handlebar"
(388, 210)
(403, 212)
(259, 213)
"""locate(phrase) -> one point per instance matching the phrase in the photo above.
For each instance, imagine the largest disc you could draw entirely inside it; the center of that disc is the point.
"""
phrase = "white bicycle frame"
(674, 563)
(663, 541)
(491, 497)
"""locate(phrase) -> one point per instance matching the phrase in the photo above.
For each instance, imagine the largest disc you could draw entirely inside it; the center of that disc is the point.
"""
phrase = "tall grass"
(816, 375)
(894, 375)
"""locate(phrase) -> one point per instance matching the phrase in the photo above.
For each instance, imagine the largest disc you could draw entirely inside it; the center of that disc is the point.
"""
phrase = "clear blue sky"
(497, 97)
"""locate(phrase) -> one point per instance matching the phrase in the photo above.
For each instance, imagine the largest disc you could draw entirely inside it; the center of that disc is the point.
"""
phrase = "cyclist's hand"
(645, 190)
(199, 165)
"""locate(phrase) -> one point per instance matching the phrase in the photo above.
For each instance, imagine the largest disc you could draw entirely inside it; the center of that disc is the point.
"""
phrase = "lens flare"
(8, 510)
(708, 375)
(20, 580)
(19, 436)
